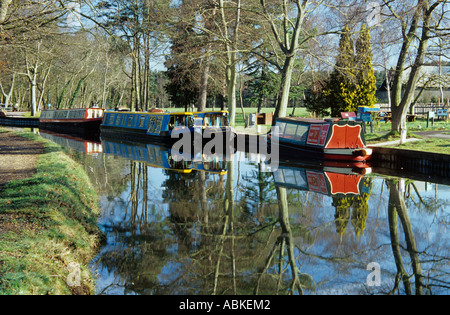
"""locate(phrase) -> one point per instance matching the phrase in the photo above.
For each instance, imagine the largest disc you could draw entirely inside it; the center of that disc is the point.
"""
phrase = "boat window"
(181, 121)
(111, 119)
(290, 177)
(118, 117)
(142, 122)
(130, 120)
(158, 125)
(282, 127)
(151, 124)
(290, 132)
(198, 122)
(225, 121)
(172, 122)
(302, 133)
(190, 122)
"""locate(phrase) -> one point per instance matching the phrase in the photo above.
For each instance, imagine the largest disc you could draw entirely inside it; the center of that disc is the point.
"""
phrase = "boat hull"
(89, 127)
(19, 122)
(289, 150)
(113, 132)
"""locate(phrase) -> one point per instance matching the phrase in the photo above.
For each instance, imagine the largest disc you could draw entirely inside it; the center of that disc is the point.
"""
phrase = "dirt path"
(18, 157)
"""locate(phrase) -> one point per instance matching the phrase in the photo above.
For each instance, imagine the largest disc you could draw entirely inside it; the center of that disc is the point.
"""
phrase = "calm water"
(239, 227)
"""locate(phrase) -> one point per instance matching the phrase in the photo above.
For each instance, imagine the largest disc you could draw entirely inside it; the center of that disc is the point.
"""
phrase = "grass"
(441, 146)
(49, 224)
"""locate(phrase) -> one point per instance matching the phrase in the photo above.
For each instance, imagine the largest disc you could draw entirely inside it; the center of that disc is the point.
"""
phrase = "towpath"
(18, 157)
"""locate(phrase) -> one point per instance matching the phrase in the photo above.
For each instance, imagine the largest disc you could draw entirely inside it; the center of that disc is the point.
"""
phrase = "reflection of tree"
(258, 191)
(426, 265)
(284, 243)
(397, 208)
(354, 207)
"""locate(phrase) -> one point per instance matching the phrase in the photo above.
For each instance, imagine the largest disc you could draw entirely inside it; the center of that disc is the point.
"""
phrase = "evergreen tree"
(342, 84)
(315, 101)
(367, 82)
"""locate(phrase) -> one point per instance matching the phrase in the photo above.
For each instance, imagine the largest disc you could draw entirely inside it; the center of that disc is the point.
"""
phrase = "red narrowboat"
(329, 139)
(84, 121)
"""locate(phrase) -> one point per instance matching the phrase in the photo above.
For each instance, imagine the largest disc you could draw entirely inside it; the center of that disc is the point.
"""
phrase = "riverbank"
(48, 220)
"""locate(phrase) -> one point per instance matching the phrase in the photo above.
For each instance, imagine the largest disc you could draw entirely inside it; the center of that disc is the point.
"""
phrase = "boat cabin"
(213, 118)
(71, 114)
(146, 125)
(330, 139)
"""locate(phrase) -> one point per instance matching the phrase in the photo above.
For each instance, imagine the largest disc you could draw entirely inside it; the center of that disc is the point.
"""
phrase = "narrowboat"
(83, 121)
(328, 140)
(17, 121)
(143, 126)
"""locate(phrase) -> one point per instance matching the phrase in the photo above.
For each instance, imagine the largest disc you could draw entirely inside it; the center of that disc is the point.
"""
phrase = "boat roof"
(54, 109)
(307, 120)
(213, 111)
(157, 114)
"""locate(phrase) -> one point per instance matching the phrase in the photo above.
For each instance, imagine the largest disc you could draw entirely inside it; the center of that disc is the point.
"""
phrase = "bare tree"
(425, 23)
(287, 35)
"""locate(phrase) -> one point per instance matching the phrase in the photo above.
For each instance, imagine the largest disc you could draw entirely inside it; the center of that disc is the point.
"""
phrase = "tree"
(432, 22)
(365, 77)
(230, 28)
(342, 84)
(315, 100)
(286, 32)
(182, 70)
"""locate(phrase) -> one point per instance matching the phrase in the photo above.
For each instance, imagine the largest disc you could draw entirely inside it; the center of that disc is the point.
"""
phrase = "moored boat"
(82, 121)
(151, 126)
(329, 139)
(213, 122)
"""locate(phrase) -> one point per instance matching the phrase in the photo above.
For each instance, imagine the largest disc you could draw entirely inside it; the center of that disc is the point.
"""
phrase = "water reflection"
(231, 227)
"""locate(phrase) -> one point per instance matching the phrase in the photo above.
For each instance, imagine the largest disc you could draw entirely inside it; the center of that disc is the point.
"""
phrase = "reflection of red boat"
(330, 140)
(87, 146)
(321, 179)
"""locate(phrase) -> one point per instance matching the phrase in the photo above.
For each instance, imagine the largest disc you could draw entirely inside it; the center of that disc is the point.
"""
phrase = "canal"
(238, 226)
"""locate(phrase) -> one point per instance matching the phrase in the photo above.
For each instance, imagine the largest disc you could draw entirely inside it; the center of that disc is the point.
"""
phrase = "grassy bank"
(49, 230)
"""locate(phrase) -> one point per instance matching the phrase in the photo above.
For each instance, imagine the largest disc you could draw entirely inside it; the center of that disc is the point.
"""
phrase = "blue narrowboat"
(141, 126)
(328, 140)
(160, 156)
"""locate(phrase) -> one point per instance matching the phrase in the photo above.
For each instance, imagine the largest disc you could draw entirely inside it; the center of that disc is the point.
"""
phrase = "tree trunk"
(11, 89)
(231, 49)
(401, 104)
(4, 9)
(204, 84)
(288, 38)
(397, 204)
(231, 93)
(285, 87)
